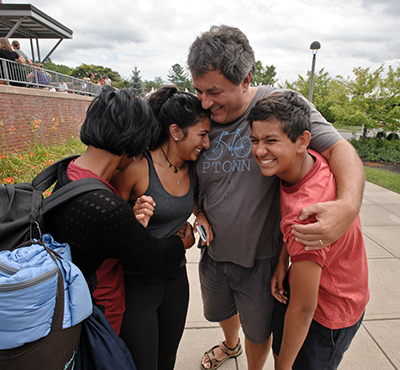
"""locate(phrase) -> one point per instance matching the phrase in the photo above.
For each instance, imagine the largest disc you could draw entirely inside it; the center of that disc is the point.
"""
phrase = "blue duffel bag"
(43, 299)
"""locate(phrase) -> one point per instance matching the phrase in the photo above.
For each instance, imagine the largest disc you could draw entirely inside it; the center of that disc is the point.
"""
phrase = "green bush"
(378, 150)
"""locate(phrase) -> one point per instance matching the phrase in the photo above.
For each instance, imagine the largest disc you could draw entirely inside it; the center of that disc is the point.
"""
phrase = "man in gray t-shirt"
(17, 47)
(239, 208)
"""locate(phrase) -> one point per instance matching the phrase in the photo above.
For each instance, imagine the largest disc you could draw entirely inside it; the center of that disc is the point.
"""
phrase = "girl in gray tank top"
(156, 308)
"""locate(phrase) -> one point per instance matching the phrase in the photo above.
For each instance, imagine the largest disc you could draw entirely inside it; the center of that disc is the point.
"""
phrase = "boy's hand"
(276, 283)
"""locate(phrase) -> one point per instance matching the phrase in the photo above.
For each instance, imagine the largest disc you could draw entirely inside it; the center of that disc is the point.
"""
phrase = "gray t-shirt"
(241, 204)
(20, 52)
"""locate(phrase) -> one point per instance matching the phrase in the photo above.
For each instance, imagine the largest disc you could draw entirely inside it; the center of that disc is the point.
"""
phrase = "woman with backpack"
(101, 228)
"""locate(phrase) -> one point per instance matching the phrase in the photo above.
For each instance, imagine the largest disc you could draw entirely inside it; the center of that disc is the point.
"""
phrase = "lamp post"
(315, 46)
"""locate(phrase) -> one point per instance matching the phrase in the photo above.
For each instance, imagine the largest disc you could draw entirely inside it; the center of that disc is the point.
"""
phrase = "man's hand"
(202, 220)
(335, 217)
(332, 220)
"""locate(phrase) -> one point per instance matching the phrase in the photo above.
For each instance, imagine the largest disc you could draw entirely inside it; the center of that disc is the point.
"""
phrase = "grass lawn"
(387, 180)
(348, 128)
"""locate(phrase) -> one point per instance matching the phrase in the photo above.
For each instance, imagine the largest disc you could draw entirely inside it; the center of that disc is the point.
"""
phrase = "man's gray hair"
(222, 48)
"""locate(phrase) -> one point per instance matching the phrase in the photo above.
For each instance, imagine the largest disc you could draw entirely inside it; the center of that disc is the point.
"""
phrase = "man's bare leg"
(230, 328)
(257, 354)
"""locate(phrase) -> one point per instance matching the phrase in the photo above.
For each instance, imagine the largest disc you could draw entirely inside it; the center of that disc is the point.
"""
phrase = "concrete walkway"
(377, 343)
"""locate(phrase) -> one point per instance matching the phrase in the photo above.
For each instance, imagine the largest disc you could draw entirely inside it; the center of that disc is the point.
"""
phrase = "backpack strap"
(70, 191)
(58, 315)
(48, 176)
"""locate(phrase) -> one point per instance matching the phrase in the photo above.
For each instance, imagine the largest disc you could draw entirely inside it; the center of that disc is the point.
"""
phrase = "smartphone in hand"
(202, 233)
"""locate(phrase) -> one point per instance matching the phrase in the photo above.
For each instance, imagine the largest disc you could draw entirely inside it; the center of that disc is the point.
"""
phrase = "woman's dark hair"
(120, 122)
(173, 106)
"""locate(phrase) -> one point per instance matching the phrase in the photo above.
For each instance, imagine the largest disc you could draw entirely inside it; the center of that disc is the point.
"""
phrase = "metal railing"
(15, 74)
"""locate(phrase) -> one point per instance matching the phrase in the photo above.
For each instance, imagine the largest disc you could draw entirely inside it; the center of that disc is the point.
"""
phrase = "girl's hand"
(186, 234)
(144, 209)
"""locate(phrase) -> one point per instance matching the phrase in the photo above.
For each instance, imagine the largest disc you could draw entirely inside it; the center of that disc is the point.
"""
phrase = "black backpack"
(22, 205)
(21, 211)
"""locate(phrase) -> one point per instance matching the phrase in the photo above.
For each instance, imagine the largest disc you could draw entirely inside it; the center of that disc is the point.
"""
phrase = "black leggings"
(154, 320)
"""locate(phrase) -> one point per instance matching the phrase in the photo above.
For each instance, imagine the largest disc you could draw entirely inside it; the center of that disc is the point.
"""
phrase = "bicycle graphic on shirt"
(241, 146)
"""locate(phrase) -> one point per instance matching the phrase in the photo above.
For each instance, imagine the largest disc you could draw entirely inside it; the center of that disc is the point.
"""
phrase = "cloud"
(389, 7)
(155, 34)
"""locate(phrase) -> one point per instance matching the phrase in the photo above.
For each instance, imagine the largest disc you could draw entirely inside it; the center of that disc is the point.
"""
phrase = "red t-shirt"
(110, 290)
(343, 291)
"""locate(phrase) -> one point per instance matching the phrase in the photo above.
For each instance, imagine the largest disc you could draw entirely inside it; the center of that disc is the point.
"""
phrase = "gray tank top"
(170, 212)
(169, 215)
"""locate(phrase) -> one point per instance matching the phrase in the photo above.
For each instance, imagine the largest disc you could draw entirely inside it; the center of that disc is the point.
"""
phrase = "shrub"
(378, 150)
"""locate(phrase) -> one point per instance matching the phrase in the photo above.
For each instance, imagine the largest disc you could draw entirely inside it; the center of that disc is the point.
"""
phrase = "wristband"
(197, 211)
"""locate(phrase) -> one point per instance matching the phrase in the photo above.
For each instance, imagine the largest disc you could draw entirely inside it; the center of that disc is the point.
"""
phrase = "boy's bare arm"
(304, 285)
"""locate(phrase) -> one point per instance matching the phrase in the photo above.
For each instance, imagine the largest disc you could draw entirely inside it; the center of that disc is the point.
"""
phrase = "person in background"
(101, 228)
(237, 267)
(328, 288)
(156, 307)
(84, 85)
(38, 77)
(15, 72)
(107, 81)
(62, 87)
(17, 48)
(100, 82)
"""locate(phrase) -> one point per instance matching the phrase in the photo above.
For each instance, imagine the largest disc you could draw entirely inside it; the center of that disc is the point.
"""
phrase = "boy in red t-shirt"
(328, 288)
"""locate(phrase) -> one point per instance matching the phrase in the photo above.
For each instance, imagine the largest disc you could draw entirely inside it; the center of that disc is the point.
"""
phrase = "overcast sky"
(155, 34)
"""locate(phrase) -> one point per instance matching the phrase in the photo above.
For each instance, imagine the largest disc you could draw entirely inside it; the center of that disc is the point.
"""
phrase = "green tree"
(59, 68)
(263, 75)
(85, 70)
(179, 77)
(121, 83)
(372, 100)
(322, 96)
(136, 83)
(154, 84)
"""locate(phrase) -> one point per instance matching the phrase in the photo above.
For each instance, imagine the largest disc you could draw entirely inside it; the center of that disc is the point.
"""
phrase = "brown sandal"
(214, 363)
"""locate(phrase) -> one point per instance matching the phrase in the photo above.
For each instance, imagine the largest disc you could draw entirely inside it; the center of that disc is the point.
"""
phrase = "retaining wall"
(29, 115)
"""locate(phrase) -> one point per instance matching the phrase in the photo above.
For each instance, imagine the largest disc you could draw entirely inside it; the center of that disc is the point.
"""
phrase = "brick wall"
(37, 116)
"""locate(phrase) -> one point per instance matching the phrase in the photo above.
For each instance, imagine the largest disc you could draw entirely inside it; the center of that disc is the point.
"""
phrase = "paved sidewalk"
(377, 343)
